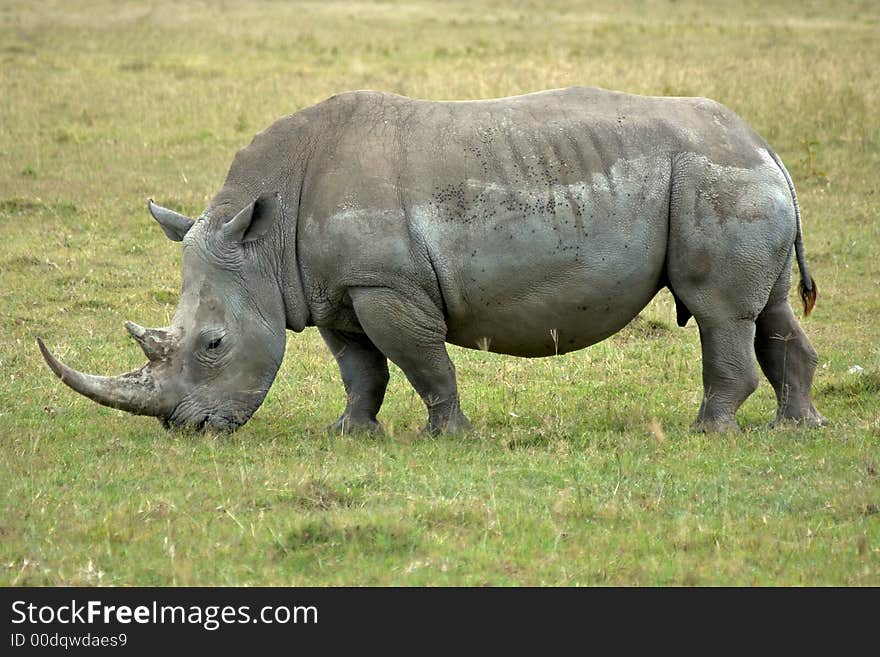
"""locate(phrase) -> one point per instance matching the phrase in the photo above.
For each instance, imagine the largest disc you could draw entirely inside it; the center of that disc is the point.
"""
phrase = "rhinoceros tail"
(807, 288)
(808, 295)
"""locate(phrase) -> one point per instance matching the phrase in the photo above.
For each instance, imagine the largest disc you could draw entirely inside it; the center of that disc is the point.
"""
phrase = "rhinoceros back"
(538, 223)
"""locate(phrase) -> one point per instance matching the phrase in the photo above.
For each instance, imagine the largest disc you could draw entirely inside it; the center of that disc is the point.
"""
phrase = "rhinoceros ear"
(254, 220)
(175, 225)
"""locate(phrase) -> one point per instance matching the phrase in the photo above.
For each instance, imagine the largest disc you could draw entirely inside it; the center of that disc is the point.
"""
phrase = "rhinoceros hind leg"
(729, 373)
(364, 371)
(789, 362)
(410, 330)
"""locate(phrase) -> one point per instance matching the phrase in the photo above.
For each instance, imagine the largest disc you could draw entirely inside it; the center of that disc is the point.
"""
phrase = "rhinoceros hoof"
(348, 425)
(820, 421)
(456, 424)
(810, 420)
(715, 425)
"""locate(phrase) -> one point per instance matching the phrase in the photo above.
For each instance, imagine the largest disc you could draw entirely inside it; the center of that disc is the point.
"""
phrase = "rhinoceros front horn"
(135, 392)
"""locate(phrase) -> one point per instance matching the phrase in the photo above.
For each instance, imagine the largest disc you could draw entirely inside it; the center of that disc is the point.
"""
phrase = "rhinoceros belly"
(566, 315)
(549, 307)
(534, 273)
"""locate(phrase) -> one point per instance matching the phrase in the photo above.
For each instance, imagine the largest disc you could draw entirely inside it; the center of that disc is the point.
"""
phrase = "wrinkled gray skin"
(532, 225)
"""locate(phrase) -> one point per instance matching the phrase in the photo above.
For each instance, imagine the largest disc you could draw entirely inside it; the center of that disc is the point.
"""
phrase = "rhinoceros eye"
(211, 343)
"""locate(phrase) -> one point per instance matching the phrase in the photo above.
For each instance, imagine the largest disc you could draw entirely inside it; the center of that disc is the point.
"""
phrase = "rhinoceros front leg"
(411, 331)
(364, 371)
(729, 373)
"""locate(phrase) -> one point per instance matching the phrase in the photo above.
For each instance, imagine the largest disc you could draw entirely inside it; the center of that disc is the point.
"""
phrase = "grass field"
(582, 468)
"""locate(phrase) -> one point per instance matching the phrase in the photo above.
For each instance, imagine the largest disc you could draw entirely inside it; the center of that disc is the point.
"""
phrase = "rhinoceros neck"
(274, 162)
(278, 265)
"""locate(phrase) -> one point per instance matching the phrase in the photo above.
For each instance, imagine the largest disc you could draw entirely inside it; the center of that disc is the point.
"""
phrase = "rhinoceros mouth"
(183, 419)
(206, 423)
(171, 424)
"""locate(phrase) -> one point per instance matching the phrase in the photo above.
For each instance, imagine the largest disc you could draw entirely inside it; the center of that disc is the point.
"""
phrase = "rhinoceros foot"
(348, 424)
(810, 420)
(457, 423)
(715, 425)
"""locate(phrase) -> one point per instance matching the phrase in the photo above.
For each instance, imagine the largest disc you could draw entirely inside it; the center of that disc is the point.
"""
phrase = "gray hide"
(530, 226)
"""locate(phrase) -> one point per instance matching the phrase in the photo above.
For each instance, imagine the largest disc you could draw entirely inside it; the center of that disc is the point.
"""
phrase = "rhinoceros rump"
(530, 225)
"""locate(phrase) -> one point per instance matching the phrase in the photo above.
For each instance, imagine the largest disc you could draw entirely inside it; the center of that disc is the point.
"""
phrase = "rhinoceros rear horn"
(135, 392)
(174, 224)
(155, 343)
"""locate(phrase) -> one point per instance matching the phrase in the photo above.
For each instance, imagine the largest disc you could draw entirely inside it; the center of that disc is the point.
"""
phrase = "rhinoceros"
(532, 225)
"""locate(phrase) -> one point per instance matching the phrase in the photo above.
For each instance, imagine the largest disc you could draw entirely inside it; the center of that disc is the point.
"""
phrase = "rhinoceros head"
(213, 366)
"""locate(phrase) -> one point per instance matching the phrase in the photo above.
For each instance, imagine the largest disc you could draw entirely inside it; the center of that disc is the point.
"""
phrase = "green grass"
(582, 468)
